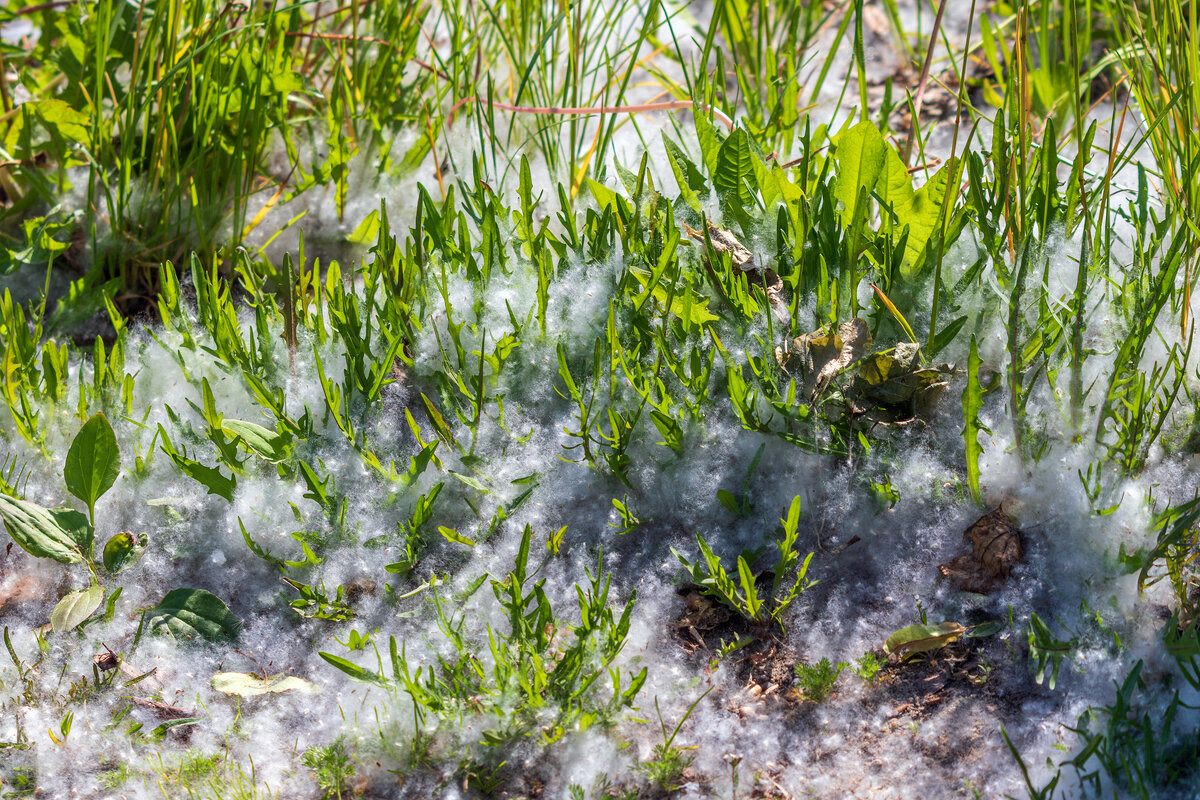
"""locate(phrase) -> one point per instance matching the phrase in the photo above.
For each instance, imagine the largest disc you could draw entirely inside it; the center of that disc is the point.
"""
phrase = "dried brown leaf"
(724, 242)
(996, 542)
(995, 550)
(819, 356)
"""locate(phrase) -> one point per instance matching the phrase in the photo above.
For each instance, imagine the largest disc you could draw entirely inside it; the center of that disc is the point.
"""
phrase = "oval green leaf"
(243, 685)
(93, 461)
(922, 638)
(122, 551)
(60, 534)
(186, 614)
(267, 443)
(75, 607)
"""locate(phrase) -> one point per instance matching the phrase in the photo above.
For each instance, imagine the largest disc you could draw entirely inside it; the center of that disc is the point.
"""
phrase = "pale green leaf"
(75, 607)
(922, 638)
(243, 685)
(43, 532)
(267, 443)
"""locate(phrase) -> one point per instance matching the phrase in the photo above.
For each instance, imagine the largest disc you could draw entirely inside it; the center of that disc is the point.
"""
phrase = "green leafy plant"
(64, 535)
(332, 767)
(867, 666)
(545, 673)
(668, 761)
(817, 680)
(790, 576)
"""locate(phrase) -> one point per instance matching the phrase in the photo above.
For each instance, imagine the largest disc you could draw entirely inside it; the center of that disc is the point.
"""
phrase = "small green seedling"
(817, 680)
(668, 762)
(790, 577)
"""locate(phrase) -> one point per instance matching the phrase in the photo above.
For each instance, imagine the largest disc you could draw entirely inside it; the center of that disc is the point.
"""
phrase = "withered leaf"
(819, 356)
(996, 542)
(106, 660)
(922, 638)
(724, 242)
(995, 550)
(893, 378)
(160, 709)
(966, 574)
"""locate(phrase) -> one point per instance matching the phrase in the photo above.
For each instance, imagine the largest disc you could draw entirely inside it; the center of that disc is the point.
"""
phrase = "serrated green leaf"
(243, 685)
(93, 462)
(44, 532)
(75, 607)
(452, 535)
(687, 176)
(194, 614)
(921, 214)
(735, 177)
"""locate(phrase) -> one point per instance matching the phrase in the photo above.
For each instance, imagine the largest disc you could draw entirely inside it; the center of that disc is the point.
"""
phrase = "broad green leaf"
(267, 443)
(711, 140)
(122, 550)
(194, 614)
(93, 462)
(691, 181)
(75, 607)
(922, 638)
(62, 118)
(985, 629)
(77, 527)
(604, 196)
(860, 159)
(895, 185)
(778, 187)
(367, 231)
(44, 532)
(243, 685)
(921, 214)
(735, 178)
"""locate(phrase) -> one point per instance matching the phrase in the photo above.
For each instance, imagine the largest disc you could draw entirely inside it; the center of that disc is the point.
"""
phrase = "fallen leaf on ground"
(243, 685)
(995, 550)
(895, 378)
(996, 542)
(723, 242)
(819, 356)
(922, 638)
